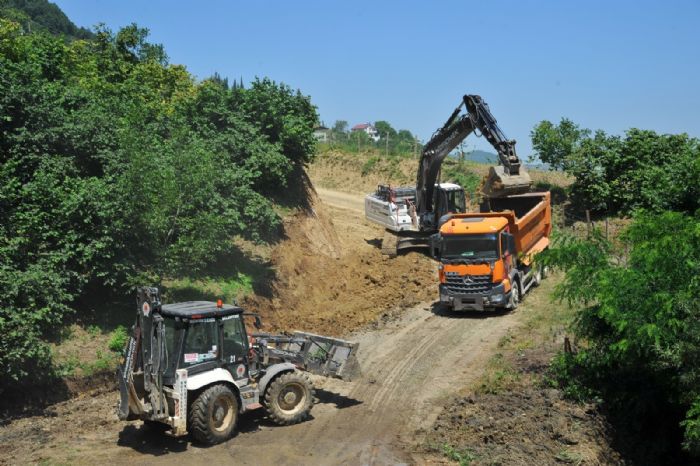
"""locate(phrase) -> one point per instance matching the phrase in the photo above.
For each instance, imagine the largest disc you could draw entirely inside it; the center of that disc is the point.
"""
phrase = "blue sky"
(604, 64)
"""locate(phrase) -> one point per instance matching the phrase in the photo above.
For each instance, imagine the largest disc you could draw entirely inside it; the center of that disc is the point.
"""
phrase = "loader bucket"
(500, 184)
(330, 357)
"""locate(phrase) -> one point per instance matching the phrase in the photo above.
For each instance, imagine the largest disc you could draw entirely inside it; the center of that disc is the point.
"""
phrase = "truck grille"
(474, 284)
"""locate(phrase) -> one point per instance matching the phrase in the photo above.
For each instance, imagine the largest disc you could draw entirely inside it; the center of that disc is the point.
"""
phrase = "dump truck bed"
(529, 219)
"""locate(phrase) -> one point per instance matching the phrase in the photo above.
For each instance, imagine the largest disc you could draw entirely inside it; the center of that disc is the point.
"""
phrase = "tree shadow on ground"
(35, 398)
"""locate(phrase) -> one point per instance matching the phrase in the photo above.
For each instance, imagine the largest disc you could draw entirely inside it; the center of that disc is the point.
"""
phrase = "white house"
(322, 134)
(367, 128)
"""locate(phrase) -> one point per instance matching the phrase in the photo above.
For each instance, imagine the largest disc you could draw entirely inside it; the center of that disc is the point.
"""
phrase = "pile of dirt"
(331, 278)
(526, 424)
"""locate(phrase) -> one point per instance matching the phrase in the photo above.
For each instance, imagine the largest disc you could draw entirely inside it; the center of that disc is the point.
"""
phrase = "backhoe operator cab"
(193, 367)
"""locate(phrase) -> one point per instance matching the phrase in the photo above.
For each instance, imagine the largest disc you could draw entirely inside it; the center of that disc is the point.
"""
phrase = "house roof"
(361, 126)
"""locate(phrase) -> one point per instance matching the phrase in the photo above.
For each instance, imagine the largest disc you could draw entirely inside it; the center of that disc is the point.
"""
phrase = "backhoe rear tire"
(289, 398)
(213, 415)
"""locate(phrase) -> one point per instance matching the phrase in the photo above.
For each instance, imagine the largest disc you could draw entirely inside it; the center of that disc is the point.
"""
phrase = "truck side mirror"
(511, 244)
(435, 246)
(508, 243)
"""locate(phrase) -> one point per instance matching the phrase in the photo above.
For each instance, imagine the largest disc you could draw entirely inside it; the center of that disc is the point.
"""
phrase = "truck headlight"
(497, 297)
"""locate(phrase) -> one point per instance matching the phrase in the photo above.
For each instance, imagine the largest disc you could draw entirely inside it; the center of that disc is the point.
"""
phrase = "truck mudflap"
(320, 355)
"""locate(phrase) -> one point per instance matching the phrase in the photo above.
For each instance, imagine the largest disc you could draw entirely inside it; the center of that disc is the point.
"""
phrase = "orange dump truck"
(487, 258)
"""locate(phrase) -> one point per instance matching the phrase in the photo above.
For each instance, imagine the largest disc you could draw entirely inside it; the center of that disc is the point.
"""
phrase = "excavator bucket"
(500, 184)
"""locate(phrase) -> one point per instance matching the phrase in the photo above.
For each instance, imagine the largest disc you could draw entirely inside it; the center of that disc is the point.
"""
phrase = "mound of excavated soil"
(331, 278)
(523, 425)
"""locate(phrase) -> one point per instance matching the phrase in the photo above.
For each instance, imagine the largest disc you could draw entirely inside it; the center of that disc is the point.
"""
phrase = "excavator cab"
(450, 199)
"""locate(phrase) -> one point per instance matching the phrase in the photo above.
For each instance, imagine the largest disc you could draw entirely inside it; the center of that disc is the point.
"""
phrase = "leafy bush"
(116, 166)
(639, 323)
(368, 166)
(118, 338)
(643, 169)
(459, 172)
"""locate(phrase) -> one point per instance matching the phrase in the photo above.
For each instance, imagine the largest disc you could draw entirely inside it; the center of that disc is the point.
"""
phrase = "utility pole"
(387, 144)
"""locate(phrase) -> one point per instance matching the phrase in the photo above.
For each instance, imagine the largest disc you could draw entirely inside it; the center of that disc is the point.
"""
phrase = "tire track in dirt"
(409, 370)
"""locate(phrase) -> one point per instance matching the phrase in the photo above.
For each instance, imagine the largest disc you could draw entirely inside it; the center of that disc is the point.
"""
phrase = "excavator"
(411, 215)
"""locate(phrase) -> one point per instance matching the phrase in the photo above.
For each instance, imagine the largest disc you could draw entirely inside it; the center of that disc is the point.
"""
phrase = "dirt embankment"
(361, 173)
(525, 424)
(330, 275)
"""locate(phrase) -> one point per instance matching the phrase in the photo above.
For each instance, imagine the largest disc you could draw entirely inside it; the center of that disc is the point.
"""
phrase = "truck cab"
(474, 259)
(487, 259)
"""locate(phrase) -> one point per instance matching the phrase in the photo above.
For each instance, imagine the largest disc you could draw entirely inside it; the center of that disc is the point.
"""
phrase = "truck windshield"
(470, 247)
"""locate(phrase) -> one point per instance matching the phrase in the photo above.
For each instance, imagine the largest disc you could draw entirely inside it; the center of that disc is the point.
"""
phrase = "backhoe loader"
(192, 367)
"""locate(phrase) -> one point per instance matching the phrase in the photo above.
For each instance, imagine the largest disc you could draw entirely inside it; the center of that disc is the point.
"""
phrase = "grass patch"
(85, 351)
(569, 457)
(369, 165)
(463, 456)
(230, 290)
(499, 376)
(117, 341)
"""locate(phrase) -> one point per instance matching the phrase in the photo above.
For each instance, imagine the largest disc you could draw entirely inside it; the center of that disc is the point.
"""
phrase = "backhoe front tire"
(289, 398)
(213, 415)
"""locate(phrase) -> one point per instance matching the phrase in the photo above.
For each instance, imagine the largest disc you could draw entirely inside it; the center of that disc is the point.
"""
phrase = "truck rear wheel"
(537, 277)
(289, 398)
(515, 295)
(213, 415)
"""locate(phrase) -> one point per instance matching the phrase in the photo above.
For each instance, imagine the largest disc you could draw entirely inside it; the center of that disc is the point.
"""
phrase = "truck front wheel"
(213, 415)
(289, 398)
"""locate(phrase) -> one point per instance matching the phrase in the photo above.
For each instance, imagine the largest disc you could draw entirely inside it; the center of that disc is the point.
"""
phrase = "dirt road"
(409, 367)
(410, 364)
(342, 200)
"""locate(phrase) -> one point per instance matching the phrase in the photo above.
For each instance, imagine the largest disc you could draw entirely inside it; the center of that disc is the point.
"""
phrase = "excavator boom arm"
(458, 127)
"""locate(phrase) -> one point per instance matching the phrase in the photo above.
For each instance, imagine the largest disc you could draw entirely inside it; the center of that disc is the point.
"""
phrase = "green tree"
(556, 144)
(117, 167)
(619, 174)
(339, 132)
(385, 131)
(639, 325)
